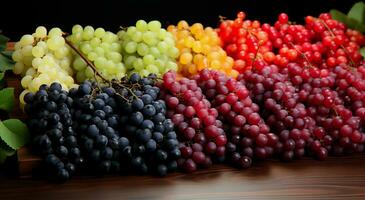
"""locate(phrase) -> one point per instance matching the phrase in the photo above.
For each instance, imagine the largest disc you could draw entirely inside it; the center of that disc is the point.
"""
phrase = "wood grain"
(336, 178)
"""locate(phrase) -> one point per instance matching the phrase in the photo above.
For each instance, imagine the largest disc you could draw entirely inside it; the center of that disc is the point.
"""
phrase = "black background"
(18, 17)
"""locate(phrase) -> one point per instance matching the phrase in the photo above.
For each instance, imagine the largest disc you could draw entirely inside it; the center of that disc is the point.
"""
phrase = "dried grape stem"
(352, 63)
(88, 62)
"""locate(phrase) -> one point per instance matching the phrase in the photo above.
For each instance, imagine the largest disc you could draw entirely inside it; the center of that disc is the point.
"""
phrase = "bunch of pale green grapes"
(43, 58)
(100, 47)
(148, 48)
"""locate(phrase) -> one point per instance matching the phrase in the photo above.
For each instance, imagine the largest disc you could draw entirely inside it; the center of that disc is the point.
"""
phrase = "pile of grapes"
(153, 101)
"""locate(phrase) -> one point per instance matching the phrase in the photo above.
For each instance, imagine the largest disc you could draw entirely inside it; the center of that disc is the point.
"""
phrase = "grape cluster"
(200, 49)
(96, 125)
(248, 135)
(200, 133)
(153, 140)
(321, 42)
(43, 58)
(51, 126)
(100, 47)
(148, 48)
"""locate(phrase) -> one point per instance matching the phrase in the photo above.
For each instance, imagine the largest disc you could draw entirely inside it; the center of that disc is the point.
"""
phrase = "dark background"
(18, 17)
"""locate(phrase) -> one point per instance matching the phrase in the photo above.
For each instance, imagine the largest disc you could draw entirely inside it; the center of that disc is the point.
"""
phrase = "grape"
(195, 125)
(199, 49)
(247, 132)
(42, 59)
(145, 41)
(52, 129)
(102, 48)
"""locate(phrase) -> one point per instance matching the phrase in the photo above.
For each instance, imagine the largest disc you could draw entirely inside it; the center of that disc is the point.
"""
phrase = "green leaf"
(8, 54)
(357, 12)
(2, 75)
(339, 16)
(3, 41)
(350, 22)
(7, 99)
(5, 151)
(362, 52)
(5, 63)
(14, 133)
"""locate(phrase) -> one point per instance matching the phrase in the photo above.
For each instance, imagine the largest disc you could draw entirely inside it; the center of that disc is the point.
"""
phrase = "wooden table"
(335, 178)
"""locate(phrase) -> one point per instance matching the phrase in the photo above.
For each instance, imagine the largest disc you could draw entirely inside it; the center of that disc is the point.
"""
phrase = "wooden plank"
(336, 178)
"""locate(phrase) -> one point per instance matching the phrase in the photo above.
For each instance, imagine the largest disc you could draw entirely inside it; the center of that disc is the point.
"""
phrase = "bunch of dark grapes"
(51, 126)
(200, 133)
(282, 110)
(96, 125)
(153, 142)
(248, 135)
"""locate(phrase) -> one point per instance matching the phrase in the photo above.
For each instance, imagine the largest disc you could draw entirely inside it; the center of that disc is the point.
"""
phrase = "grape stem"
(302, 54)
(352, 63)
(88, 62)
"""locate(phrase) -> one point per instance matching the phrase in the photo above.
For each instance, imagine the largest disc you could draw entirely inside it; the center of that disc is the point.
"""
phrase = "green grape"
(142, 49)
(169, 41)
(149, 38)
(131, 47)
(40, 32)
(173, 52)
(162, 47)
(105, 46)
(27, 50)
(131, 31)
(31, 71)
(170, 65)
(55, 32)
(18, 68)
(144, 72)
(79, 64)
(95, 42)
(155, 52)
(159, 64)
(100, 62)
(138, 64)
(77, 29)
(37, 62)
(99, 32)
(148, 59)
(61, 52)
(89, 72)
(121, 34)
(26, 40)
(141, 25)
(80, 76)
(152, 69)
(115, 46)
(37, 51)
(99, 51)
(129, 62)
(17, 55)
(88, 33)
(161, 34)
(92, 56)
(154, 26)
(86, 48)
(109, 37)
(137, 37)
(114, 57)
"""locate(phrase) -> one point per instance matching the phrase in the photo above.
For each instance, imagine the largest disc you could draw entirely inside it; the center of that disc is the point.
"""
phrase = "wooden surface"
(335, 178)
